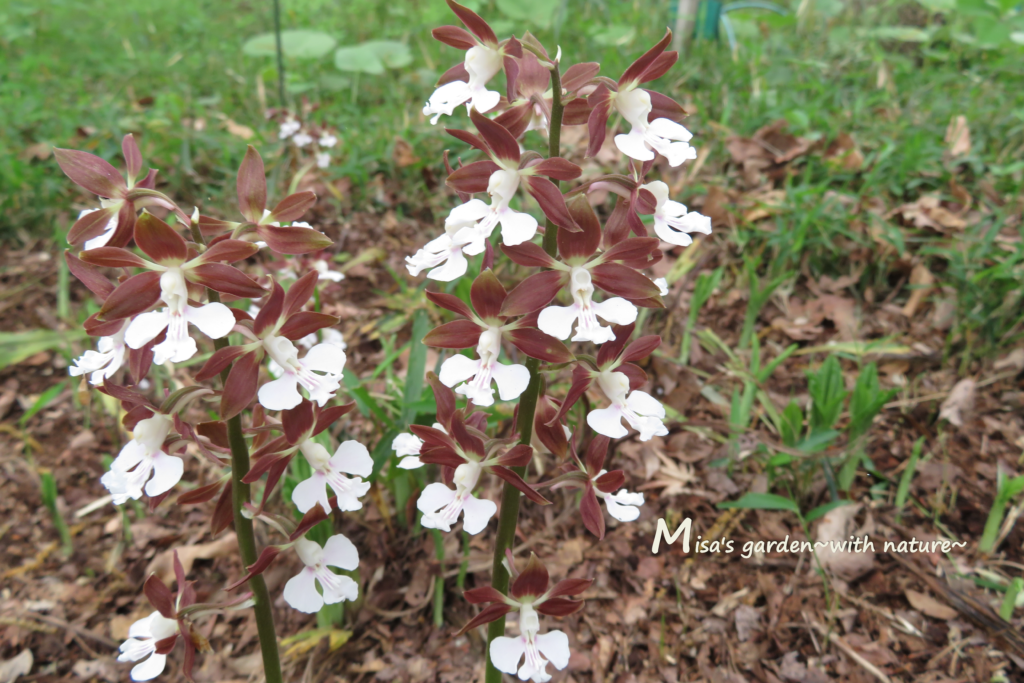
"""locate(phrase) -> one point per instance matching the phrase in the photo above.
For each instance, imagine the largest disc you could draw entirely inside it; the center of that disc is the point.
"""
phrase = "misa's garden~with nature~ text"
(512, 340)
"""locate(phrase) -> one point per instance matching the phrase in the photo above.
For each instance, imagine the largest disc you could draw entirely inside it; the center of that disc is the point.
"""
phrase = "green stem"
(509, 516)
(243, 525)
(280, 52)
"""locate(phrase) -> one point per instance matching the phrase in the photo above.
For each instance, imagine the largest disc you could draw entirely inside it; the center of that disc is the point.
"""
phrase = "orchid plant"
(544, 291)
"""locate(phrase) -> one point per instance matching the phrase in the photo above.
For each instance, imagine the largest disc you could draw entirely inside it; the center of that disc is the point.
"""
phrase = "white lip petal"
(607, 421)
(325, 358)
(149, 669)
(623, 513)
(280, 394)
(555, 646)
(167, 471)
(341, 553)
(667, 128)
(452, 269)
(506, 652)
(517, 227)
(300, 592)
(634, 146)
(643, 403)
(410, 462)
(512, 380)
(308, 493)
(485, 100)
(214, 320)
(434, 497)
(146, 327)
(477, 512)
(352, 457)
(406, 444)
(457, 369)
(616, 310)
(558, 320)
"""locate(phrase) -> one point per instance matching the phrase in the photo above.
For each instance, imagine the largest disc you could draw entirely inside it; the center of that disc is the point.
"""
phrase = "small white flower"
(642, 411)
(283, 393)
(327, 141)
(558, 320)
(104, 237)
(468, 227)
(141, 458)
(662, 135)
(511, 379)
(288, 129)
(213, 319)
(407, 446)
(671, 220)
(662, 284)
(300, 591)
(482, 63)
(324, 268)
(323, 159)
(622, 505)
(302, 139)
(506, 652)
(102, 363)
(441, 505)
(143, 636)
(351, 458)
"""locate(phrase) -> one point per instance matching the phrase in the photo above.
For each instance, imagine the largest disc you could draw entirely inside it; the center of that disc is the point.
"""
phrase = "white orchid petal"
(410, 462)
(452, 269)
(434, 497)
(280, 394)
(477, 512)
(623, 513)
(457, 369)
(146, 327)
(616, 310)
(512, 380)
(607, 421)
(214, 319)
(353, 458)
(149, 669)
(325, 358)
(308, 493)
(643, 403)
(558, 320)
(555, 646)
(167, 471)
(341, 553)
(634, 146)
(517, 227)
(506, 652)
(300, 592)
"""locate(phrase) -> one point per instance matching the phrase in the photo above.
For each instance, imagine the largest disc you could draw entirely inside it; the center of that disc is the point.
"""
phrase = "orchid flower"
(144, 463)
(653, 117)
(407, 447)
(671, 220)
(582, 268)
(622, 505)
(486, 328)
(441, 506)
(640, 410)
(278, 324)
(143, 636)
(324, 268)
(120, 197)
(327, 141)
(300, 592)
(288, 128)
(662, 284)
(102, 363)
(175, 267)
(466, 83)
(620, 380)
(351, 457)
(469, 225)
(530, 595)
(323, 159)
(467, 453)
(301, 139)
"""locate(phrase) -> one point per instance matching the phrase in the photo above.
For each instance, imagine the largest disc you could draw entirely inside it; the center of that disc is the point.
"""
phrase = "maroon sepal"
(474, 23)
(455, 73)
(551, 201)
(487, 295)
(582, 378)
(529, 254)
(252, 186)
(159, 241)
(590, 511)
(552, 436)
(314, 516)
(292, 239)
(459, 334)
(638, 69)
(620, 280)
(444, 398)
(240, 387)
(597, 450)
(583, 243)
(571, 587)
(113, 257)
(560, 607)
(298, 421)
(611, 350)
(201, 494)
(517, 481)
(159, 596)
(517, 456)
(291, 207)
(261, 564)
(450, 302)
(328, 416)
(89, 276)
(472, 178)
(578, 75)
(558, 168)
(223, 515)
(305, 323)
(532, 581)
(221, 359)
(226, 279)
(477, 596)
(468, 138)
(502, 144)
(102, 328)
(456, 37)
(92, 224)
(610, 482)
(664, 107)
(216, 432)
(229, 251)
(641, 348)
(537, 344)
(486, 616)
(534, 293)
(600, 104)
(133, 296)
(91, 173)
(576, 112)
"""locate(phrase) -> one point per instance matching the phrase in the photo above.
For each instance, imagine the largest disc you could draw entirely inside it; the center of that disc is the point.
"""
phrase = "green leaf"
(903, 490)
(761, 501)
(417, 366)
(827, 395)
(822, 510)
(615, 35)
(41, 402)
(906, 34)
(867, 400)
(792, 424)
(373, 57)
(17, 346)
(817, 441)
(540, 13)
(297, 43)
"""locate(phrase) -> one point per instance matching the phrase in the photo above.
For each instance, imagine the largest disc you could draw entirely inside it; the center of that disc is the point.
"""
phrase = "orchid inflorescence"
(590, 280)
(589, 286)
